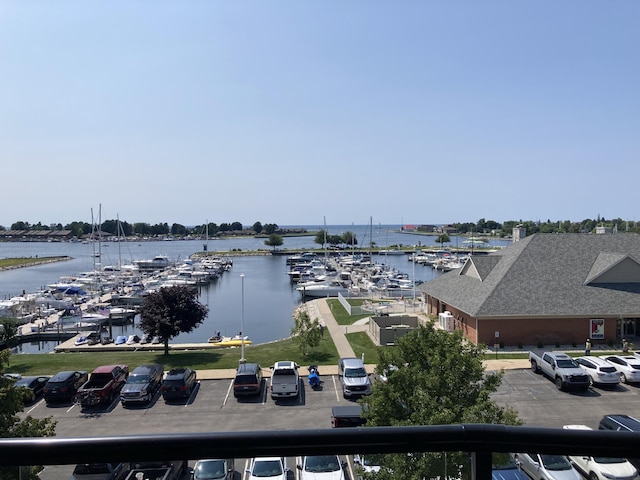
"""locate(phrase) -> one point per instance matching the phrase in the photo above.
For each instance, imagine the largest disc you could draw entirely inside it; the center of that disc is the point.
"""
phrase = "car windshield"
(322, 463)
(555, 462)
(568, 363)
(138, 379)
(608, 460)
(210, 469)
(267, 468)
(355, 372)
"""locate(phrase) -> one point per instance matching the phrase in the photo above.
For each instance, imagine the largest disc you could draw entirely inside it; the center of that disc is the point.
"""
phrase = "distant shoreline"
(22, 262)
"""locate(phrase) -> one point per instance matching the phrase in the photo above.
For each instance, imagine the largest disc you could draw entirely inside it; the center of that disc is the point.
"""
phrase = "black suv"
(142, 384)
(619, 422)
(63, 386)
(178, 383)
(248, 380)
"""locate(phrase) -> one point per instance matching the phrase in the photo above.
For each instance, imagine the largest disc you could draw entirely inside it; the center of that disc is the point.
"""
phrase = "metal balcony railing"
(481, 440)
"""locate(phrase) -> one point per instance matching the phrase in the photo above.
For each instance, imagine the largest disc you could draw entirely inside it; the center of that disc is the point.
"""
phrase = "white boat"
(159, 262)
(323, 289)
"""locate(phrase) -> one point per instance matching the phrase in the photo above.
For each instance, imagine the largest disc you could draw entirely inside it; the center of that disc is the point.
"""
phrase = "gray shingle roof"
(548, 274)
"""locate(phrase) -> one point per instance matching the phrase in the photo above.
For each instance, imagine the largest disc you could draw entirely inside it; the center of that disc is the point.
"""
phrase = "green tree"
(11, 426)
(442, 239)
(236, 226)
(270, 228)
(274, 241)
(170, 311)
(257, 227)
(321, 237)
(306, 332)
(434, 377)
(8, 330)
(349, 238)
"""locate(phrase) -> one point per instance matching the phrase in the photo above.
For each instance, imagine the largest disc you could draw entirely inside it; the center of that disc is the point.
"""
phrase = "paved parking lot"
(212, 407)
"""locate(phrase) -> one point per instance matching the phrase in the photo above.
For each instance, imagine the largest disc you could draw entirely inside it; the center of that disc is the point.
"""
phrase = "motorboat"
(330, 288)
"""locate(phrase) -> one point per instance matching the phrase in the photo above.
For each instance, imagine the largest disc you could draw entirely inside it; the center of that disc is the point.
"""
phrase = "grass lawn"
(265, 355)
(341, 315)
(362, 344)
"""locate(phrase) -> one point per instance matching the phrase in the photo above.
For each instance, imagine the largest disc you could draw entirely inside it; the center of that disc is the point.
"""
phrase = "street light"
(242, 359)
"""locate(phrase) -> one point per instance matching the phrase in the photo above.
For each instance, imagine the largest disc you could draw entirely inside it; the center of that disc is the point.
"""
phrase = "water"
(269, 296)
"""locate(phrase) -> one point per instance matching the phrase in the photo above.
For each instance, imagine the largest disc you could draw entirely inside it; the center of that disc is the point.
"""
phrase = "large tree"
(433, 377)
(11, 426)
(274, 241)
(170, 311)
(306, 331)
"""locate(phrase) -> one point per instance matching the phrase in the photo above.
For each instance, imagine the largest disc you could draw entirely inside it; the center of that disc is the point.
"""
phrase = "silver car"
(547, 467)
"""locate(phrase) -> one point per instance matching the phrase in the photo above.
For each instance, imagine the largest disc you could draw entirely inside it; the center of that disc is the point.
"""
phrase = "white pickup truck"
(561, 368)
(285, 382)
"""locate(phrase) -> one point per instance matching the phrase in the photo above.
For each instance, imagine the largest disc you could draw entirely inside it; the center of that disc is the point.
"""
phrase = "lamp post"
(242, 359)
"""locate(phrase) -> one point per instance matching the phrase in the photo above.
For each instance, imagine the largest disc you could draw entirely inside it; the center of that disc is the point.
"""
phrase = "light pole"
(242, 359)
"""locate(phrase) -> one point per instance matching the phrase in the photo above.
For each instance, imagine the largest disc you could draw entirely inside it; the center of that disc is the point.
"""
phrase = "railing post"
(481, 465)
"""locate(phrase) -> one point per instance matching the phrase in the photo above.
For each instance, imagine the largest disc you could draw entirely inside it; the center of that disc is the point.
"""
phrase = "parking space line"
(226, 397)
(335, 387)
(71, 407)
(193, 392)
(35, 406)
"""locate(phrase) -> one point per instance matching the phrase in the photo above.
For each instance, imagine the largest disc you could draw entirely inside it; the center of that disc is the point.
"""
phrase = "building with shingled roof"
(545, 289)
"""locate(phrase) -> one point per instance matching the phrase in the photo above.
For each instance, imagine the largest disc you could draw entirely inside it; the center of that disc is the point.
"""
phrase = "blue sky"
(291, 112)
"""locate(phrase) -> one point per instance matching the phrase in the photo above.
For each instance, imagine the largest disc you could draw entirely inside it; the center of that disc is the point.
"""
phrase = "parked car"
(627, 365)
(142, 384)
(64, 385)
(504, 467)
(602, 468)
(347, 416)
(600, 371)
(547, 467)
(285, 381)
(267, 467)
(99, 471)
(354, 378)
(621, 423)
(103, 386)
(178, 383)
(369, 463)
(248, 380)
(321, 467)
(214, 468)
(33, 387)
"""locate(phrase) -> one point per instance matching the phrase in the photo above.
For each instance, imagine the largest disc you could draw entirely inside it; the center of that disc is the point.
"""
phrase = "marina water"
(269, 297)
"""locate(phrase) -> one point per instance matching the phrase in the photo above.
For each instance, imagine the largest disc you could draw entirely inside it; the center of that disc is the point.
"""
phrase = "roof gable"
(614, 268)
(479, 267)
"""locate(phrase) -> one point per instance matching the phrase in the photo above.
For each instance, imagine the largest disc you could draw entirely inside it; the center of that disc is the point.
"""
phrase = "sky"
(304, 113)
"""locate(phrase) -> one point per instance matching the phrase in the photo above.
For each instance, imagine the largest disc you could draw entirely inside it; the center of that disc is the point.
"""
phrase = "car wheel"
(590, 382)
(623, 378)
(593, 476)
(559, 383)
(534, 366)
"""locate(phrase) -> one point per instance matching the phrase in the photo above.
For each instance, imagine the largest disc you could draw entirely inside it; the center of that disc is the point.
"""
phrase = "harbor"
(271, 297)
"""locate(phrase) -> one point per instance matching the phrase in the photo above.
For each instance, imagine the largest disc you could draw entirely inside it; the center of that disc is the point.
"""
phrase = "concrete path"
(320, 309)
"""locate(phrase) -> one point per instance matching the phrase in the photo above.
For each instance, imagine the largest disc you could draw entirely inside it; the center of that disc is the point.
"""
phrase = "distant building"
(545, 289)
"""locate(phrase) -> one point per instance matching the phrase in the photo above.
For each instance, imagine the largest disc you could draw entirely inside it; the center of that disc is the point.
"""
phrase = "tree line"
(142, 229)
(482, 226)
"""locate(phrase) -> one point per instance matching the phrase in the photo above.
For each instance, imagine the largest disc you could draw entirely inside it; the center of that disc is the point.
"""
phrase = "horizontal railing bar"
(437, 438)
